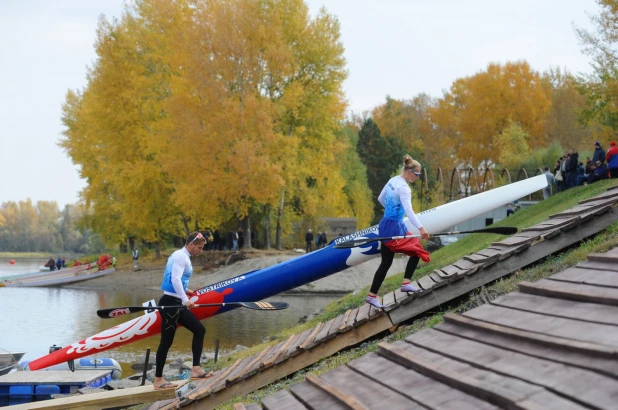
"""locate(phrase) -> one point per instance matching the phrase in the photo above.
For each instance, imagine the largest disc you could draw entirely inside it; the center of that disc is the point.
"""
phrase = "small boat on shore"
(61, 277)
(9, 361)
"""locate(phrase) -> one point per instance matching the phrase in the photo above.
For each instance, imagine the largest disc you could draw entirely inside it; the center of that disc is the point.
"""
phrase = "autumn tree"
(564, 123)
(478, 108)
(601, 87)
(203, 111)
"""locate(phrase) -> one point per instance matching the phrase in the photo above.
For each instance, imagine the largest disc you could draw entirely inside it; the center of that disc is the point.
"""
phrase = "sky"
(396, 48)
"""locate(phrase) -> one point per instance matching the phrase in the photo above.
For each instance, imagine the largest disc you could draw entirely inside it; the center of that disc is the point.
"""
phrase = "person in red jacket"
(612, 159)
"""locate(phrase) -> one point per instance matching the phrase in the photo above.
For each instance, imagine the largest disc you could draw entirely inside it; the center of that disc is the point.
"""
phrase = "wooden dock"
(57, 377)
(498, 260)
(552, 345)
(105, 399)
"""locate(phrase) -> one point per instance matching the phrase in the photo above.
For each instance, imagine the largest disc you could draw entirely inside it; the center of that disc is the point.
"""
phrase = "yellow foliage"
(478, 108)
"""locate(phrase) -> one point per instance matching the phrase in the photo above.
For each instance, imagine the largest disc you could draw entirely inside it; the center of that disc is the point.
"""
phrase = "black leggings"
(171, 318)
(387, 261)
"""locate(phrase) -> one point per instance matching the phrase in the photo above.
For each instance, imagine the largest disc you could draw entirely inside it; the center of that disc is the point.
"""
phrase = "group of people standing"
(570, 172)
(56, 264)
(320, 241)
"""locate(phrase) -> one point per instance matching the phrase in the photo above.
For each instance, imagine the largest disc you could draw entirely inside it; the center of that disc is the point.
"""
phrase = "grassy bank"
(468, 245)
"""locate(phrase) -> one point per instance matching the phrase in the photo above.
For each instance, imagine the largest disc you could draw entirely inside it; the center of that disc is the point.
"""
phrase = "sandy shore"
(150, 275)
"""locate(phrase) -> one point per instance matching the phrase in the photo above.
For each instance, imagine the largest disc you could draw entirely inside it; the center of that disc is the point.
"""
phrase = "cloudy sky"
(397, 48)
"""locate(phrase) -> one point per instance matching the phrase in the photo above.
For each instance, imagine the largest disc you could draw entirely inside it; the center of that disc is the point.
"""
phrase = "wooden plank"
(514, 241)
(502, 390)
(403, 297)
(581, 354)
(282, 347)
(482, 260)
(575, 211)
(57, 377)
(594, 265)
(334, 329)
(362, 315)
(451, 272)
(251, 406)
(389, 301)
(282, 400)
(567, 381)
(293, 349)
(207, 388)
(606, 195)
(110, 398)
(375, 312)
(604, 258)
(533, 253)
(322, 333)
(588, 277)
(534, 235)
(548, 225)
(587, 312)
(430, 393)
(504, 251)
(360, 392)
(315, 398)
(308, 342)
(466, 265)
(426, 284)
(349, 323)
(571, 291)
(240, 368)
(437, 280)
(601, 334)
(251, 368)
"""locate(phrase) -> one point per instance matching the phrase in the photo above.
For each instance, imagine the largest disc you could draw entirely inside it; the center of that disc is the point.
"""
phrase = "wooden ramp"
(500, 259)
(103, 400)
(552, 346)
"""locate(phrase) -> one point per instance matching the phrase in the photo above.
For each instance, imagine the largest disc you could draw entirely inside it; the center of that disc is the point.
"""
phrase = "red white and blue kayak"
(264, 283)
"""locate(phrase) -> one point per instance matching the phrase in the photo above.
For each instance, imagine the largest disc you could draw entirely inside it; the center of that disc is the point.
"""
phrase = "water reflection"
(36, 318)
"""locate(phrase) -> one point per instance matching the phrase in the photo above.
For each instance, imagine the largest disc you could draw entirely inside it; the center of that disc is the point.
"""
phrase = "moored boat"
(9, 361)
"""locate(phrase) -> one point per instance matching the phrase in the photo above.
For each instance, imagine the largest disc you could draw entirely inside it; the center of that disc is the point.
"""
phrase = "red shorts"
(408, 246)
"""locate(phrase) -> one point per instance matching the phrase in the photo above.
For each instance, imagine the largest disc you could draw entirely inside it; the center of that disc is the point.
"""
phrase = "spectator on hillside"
(324, 239)
(571, 168)
(612, 159)
(558, 176)
(509, 210)
(550, 183)
(309, 241)
(581, 175)
(600, 172)
(59, 263)
(51, 264)
(599, 153)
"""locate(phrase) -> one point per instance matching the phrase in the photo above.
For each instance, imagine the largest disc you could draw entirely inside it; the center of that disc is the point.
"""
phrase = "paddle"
(121, 311)
(501, 230)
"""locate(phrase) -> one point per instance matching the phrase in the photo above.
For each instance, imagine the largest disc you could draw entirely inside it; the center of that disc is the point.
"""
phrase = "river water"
(33, 319)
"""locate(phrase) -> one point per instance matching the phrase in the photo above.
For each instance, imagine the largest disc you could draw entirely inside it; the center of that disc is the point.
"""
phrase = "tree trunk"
(245, 223)
(267, 227)
(132, 243)
(279, 216)
(158, 249)
(186, 225)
